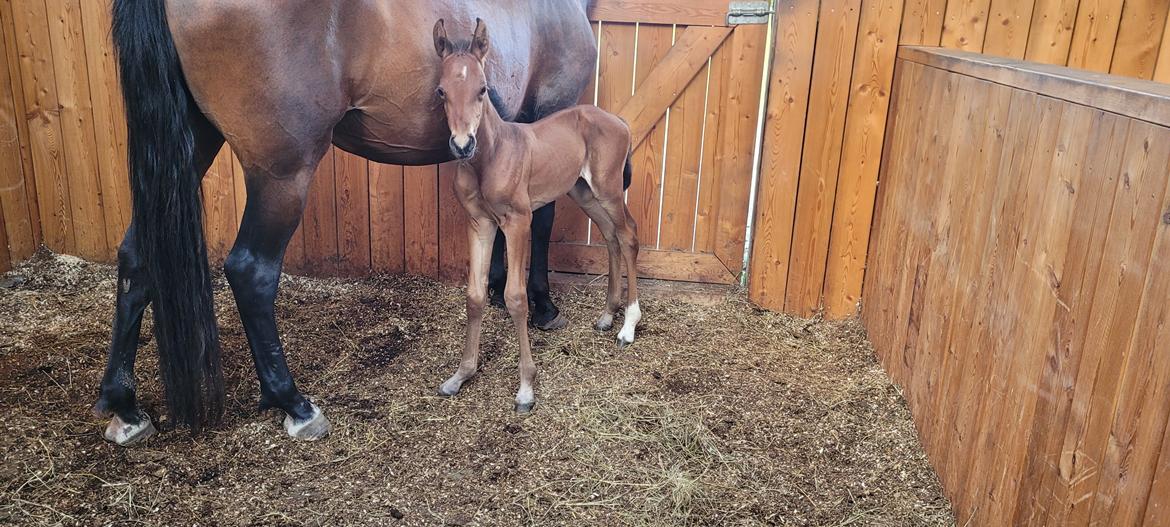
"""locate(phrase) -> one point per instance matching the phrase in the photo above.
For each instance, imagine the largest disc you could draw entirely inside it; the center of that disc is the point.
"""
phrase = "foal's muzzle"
(465, 151)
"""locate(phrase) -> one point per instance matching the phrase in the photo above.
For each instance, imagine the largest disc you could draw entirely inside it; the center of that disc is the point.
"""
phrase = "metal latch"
(748, 12)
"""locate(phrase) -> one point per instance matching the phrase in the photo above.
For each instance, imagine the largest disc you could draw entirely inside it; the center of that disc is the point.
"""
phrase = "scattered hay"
(718, 415)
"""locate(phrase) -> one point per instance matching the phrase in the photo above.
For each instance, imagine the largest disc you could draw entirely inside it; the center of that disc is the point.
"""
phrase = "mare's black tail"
(167, 217)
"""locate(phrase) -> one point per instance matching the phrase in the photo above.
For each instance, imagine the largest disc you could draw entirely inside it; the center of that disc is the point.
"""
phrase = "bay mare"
(281, 81)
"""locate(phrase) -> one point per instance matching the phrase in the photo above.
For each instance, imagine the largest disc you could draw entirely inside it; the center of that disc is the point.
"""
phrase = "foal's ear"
(479, 43)
(442, 45)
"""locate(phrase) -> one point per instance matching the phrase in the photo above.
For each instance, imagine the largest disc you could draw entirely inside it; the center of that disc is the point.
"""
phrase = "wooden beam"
(669, 78)
(689, 12)
(663, 265)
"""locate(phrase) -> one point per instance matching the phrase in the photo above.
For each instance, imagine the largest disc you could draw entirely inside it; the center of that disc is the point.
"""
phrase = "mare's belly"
(394, 139)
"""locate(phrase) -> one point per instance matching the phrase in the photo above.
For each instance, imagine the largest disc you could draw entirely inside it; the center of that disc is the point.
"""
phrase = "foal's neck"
(492, 130)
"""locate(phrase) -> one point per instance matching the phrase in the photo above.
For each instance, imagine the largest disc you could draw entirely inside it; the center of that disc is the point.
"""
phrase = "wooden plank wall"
(1018, 285)
(828, 104)
(62, 161)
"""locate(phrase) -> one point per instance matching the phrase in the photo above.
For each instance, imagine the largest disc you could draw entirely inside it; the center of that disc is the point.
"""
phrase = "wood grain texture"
(18, 218)
(386, 219)
(1016, 292)
(824, 134)
(1050, 35)
(1139, 38)
(693, 12)
(1008, 26)
(644, 195)
(965, 24)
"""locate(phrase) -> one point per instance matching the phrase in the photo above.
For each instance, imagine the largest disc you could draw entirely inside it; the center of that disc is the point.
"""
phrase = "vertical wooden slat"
(922, 22)
(240, 178)
(421, 225)
(386, 218)
(5, 255)
(1139, 38)
(788, 99)
(654, 41)
(965, 24)
(39, 91)
(319, 225)
(820, 163)
(683, 158)
(453, 249)
(352, 187)
(1051, 33)
(1008, 27)
(709, 182)
(1095, 35)
(869, 101)
(108, 119)
(77, 129)
(1162, 68)
(15, 213)
(16, 87)
(219, 206)
(733, 158)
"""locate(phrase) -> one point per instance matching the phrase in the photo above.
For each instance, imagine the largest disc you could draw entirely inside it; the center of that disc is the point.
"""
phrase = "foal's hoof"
(557, 323)
(123, 433)
(623, 341)
(525, 408)
(311, 429)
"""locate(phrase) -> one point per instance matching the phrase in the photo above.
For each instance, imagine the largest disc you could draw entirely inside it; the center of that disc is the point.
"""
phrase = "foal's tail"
(167, 217)
(628, 172)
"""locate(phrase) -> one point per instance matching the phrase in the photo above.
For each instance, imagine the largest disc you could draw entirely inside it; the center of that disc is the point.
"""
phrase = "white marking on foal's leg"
(525, 399)
(311, 429)
(633, 316)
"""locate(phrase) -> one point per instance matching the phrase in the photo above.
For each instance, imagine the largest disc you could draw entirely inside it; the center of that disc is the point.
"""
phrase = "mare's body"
(281, 81)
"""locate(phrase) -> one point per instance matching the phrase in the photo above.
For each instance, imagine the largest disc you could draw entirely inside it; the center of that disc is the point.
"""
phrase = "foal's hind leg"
(253, 270)
(585, 198)
(117, 399)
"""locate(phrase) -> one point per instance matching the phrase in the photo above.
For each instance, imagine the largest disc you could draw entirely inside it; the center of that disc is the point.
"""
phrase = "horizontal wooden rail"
(687, 12)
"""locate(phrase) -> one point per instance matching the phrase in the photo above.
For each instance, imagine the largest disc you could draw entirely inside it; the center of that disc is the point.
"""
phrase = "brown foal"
(506, 171)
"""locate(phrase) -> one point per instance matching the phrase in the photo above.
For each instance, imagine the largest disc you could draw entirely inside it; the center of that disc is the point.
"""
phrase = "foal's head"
(462, 86)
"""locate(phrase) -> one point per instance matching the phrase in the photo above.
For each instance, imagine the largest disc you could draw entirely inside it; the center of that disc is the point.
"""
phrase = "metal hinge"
(748, 12)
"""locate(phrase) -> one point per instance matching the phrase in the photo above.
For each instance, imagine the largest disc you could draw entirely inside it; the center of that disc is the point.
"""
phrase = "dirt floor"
(719, 415)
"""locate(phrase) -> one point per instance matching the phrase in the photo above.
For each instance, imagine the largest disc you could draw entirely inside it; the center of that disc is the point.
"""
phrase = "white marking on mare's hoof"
(122, 433)
(633, 316)
(604, 323)
(311, 429)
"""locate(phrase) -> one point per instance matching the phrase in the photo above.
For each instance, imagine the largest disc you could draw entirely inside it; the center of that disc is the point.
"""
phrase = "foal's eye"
(441, 93)
(482, 92)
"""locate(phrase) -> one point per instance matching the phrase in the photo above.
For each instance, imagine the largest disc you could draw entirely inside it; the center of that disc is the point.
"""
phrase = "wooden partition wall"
(1019, 286)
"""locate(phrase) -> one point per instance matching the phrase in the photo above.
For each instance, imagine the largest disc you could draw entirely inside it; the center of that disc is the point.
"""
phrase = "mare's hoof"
(525, 408)
(311, 429)
(604, 323)
(496, 299)
(557, 323)
(123, 433)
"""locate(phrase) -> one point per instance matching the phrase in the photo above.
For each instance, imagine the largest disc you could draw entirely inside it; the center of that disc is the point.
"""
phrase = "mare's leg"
(516, 232)
(481, 232)
(253, 270)
(117, 399)
(588, 203)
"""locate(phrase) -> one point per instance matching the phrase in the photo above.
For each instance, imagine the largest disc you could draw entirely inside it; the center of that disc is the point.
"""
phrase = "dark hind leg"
(117, 399)
(545, 314)
(253, 269)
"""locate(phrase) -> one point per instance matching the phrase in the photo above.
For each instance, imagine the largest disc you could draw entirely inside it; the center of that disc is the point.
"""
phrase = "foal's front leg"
(480, 233)
(516, 231)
